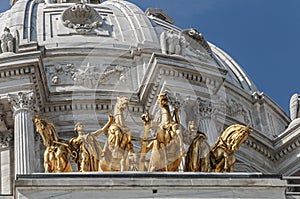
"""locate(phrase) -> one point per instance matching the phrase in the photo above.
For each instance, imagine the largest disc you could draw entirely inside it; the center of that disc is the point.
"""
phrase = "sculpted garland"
(166, 148)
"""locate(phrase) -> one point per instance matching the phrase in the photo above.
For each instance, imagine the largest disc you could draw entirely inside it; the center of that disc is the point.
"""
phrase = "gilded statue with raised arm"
(88, 151)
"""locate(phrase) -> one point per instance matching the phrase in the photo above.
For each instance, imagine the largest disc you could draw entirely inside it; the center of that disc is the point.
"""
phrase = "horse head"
(234, 136)
(46, 130)
(163, 99)
(122, 103)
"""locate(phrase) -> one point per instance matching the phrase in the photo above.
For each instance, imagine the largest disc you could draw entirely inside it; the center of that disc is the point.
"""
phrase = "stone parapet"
(150, 185)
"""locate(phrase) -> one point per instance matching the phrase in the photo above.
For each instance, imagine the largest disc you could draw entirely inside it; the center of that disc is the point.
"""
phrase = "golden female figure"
(88, 151)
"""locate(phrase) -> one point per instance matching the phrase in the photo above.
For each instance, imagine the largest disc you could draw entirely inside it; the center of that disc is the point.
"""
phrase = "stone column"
(22, 106)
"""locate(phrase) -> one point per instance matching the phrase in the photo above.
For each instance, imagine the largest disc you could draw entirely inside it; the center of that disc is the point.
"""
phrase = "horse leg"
(226, 162)
(47, 162)
(122, 162)
(60, 166)
(231, 163)
(163, 147)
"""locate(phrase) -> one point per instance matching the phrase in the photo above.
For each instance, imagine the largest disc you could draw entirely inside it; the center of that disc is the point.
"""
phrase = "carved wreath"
(82, 18)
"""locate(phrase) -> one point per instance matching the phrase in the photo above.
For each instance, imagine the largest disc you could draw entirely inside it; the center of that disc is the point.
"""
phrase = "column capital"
(22, 101)
(207, 109)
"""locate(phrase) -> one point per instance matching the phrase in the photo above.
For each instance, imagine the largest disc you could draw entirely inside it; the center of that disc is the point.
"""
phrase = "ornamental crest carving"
(82, 18)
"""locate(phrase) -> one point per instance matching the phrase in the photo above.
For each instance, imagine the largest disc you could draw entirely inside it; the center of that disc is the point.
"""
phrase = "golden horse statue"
(56, 154)
(221, 157)
(167, 149)
(118, 145)
(229, 142)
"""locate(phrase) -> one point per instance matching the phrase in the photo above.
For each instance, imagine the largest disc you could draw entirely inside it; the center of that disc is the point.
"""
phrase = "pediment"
(179, 75)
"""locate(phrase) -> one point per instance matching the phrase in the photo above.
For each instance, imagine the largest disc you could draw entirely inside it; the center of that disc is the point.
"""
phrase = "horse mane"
(53, 130)
(48, 127)
(230, 133)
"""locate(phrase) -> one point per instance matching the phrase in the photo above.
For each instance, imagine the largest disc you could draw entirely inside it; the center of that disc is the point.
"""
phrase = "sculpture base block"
(149, 185)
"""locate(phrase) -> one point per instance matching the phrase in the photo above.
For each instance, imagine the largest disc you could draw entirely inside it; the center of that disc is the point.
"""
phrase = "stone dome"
(109, 25)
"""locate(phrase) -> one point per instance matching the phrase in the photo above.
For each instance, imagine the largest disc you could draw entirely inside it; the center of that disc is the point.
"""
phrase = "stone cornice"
(87, 106)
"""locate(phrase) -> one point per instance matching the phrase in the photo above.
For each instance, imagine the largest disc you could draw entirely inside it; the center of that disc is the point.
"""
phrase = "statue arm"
(176, 115)
(106, 126)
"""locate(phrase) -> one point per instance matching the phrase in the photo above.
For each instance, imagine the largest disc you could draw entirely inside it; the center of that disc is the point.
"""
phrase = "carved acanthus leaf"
(22, 100)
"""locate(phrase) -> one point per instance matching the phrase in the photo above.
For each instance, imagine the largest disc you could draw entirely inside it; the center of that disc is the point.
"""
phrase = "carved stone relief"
(6, 138)
(61, 74)
(87, 75)
(235, 109)
(82, 18)
(92, 77)
(7, 41)
(170, 42)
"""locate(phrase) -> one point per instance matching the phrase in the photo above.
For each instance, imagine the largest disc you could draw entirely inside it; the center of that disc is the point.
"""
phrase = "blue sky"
(261, 35)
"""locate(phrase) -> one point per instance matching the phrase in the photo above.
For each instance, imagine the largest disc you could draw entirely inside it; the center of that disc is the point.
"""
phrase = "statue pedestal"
(149, 185)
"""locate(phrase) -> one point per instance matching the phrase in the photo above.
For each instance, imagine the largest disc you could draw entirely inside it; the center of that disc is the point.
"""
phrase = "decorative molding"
(82, 18)
(260, 149)
(87, 106)
(286, 150)
(16, 72)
